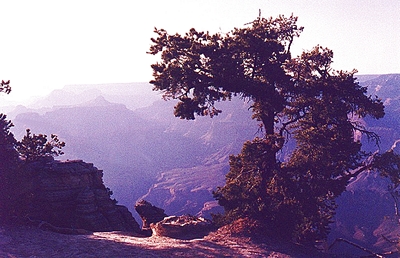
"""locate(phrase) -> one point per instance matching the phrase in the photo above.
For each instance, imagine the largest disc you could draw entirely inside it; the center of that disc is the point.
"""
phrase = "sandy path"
(32, 242)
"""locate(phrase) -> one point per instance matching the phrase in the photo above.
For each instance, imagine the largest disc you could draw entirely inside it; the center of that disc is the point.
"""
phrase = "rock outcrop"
(156, 222)
(72, 194)
(149, 214)
(182, 227)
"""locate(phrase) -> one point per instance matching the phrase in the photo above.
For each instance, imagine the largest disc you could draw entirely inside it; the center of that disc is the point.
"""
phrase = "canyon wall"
(72, 194)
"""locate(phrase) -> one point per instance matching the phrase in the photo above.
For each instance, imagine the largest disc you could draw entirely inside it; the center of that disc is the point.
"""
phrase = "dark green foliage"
(301, 97)
(200, 69)
(7, 140)
(388, 164)
(297, 196)
(33, 147)
(8, 162)
(8, 154)
(110, 193)
(326, 152)
(245, 195)
(5, 87)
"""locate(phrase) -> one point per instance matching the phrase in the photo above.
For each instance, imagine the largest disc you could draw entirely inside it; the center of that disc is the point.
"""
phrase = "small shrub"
(33, 147)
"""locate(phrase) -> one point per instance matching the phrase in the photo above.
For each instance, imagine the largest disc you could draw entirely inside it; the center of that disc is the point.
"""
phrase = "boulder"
(182, 227)
(149, 213)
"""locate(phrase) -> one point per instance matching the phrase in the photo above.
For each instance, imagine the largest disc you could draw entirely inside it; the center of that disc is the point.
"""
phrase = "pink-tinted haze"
(48, 44)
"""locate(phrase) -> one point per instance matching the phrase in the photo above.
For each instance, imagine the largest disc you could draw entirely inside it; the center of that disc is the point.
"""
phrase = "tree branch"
(355, 245)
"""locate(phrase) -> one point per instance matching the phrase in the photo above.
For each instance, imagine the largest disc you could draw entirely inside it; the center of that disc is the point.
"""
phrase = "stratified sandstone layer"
(72, 194)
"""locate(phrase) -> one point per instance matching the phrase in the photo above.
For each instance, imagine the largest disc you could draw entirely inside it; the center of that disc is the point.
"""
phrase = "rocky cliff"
(72, 194)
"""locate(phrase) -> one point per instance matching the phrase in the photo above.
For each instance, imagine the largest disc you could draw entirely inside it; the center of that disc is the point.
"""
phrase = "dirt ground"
(33, 242)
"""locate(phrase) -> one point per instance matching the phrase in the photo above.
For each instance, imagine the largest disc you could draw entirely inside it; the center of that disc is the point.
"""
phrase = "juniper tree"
(301, 98)
(33, 147)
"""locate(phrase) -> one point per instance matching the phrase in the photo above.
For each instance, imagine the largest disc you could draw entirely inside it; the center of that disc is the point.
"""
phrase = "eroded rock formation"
(149, 213)
(72, 194)
(182, 227)
(156, 222)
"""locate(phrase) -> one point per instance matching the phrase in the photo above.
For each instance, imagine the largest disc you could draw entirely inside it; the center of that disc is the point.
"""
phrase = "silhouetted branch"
(5, 86)
(355, 245)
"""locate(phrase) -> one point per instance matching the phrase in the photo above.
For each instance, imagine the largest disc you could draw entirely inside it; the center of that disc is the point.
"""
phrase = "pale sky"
(48, 44)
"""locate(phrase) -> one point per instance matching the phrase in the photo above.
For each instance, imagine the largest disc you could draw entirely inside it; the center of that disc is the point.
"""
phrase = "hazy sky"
(49, 44)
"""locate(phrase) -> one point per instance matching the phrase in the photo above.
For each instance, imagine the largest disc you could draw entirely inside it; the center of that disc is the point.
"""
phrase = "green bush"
(33, 147)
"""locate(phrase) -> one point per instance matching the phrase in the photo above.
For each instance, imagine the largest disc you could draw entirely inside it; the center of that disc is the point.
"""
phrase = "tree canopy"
(200, 69)
(7, 141)
(33, 147)
(8, 153)
(301, 98)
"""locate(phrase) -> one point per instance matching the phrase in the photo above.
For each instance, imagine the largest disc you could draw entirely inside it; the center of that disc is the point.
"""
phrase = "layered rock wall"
(72, 194)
